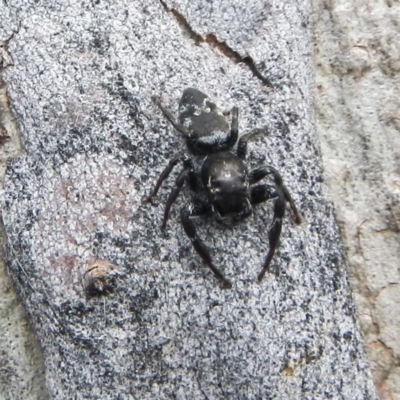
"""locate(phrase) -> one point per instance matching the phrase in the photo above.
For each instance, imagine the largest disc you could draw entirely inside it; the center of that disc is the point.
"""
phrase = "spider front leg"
(274, 232)
(199, 246)
(259, 173)
(265, 192)
(261, 193)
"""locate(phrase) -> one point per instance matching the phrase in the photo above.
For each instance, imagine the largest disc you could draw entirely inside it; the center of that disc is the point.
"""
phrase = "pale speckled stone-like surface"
(358, 121)
(21, 360)
(81, 86)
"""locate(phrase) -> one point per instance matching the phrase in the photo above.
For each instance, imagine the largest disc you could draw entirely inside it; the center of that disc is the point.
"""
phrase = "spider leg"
(186, 174)
(242, 144)
(164, 175)
(179, 127)
(288, 198)
(234, 132)
(259, 173)
(198, 244)
(261, 193)
(274, 232)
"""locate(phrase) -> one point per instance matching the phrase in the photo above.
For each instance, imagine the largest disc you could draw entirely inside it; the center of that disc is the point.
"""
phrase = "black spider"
(224, 186)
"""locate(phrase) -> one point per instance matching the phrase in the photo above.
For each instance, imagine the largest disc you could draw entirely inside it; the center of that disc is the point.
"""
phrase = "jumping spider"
(223, 187)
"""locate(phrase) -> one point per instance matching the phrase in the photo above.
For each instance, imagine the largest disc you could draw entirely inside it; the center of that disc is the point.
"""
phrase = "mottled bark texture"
(80, 80)
(358, 121)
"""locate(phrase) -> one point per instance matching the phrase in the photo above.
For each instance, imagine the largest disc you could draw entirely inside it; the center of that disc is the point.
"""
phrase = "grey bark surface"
(80, 80)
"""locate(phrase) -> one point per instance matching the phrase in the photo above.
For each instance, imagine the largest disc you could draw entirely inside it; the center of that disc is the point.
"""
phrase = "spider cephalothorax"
(224, 187)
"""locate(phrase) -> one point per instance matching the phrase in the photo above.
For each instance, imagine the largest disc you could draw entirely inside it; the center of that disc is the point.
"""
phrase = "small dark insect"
(223, 187)
(99, 277)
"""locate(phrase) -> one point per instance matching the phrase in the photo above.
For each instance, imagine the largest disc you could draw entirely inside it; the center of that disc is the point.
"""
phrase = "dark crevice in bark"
(6, 59)
(212, 40)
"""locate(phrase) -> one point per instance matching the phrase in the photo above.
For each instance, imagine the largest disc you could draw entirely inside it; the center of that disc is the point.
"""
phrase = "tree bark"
(358, 122)
(80, 78)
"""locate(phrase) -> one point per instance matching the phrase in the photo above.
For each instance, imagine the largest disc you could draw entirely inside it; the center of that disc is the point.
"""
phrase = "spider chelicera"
(224, 186)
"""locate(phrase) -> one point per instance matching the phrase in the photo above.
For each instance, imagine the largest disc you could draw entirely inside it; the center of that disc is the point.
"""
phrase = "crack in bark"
(212, 40)
(6, 116)
(6, 51)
